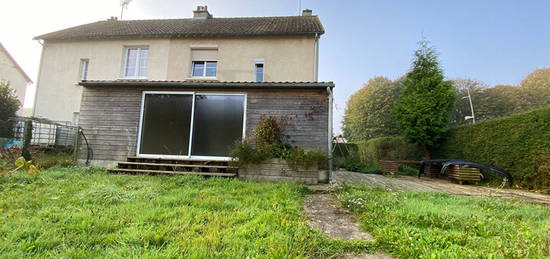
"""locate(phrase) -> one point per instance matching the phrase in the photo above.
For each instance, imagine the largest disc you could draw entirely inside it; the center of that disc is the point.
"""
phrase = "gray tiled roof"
(183, 28)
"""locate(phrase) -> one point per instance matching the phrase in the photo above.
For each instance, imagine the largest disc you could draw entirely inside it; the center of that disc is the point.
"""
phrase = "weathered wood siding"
(109, 117)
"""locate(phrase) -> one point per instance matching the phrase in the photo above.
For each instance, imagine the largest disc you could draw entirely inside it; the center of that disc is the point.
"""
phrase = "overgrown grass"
(85, 212)
(433, 225)
(43, 159)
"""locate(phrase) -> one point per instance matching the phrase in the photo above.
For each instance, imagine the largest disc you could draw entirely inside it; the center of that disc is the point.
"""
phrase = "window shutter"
(204, 54)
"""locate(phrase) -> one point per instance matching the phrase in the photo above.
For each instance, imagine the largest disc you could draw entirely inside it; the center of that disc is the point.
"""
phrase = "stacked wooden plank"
(203, 167)
(434, 170)
(464, 174)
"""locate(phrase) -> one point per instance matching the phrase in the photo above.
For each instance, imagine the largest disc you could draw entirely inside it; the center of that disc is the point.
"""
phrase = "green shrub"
(9, 104)
(407, 170)
(268, 143)
(389, 148)
(519, 144)
(343, 150)
(355, 165)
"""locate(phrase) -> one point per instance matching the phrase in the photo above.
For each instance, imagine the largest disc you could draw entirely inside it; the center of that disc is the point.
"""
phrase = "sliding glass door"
(190, 124)
(218, 124)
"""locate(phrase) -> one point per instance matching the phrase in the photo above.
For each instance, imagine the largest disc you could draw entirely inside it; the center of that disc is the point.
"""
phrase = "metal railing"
(45, 134)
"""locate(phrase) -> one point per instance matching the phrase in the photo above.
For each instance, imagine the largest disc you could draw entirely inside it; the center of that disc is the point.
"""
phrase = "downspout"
(316, 59)
(329, 146)
(35, 99)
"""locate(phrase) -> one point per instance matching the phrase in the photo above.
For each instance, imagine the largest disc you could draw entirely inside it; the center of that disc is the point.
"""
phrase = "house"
(11, 72)
(185, 88)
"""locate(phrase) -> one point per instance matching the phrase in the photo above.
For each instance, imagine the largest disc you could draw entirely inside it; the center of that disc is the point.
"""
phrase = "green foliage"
(269, 131)
(343, 150)
(26, 166)
(9, 104)
(540, 78)
(244, 153)
(435, 225)
(42, 159)
(406, 170)
(268, 137)
(424, 105)
(369, 111)
(355, 165)
(389, 148)
(83, 212)
(298, 157)
(519, 144)
(346, 155)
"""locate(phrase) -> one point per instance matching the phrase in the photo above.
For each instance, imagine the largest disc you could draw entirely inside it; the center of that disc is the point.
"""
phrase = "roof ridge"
(189, 27)
(213, 18)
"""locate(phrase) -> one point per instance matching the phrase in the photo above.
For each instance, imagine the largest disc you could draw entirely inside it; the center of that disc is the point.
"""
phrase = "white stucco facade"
(287, 58)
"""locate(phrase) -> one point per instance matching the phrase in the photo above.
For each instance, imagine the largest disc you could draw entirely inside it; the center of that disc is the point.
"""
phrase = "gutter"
(329, 137)
(237, 85)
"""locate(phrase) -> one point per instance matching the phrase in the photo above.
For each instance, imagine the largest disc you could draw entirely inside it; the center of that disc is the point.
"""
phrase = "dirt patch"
(328, 217)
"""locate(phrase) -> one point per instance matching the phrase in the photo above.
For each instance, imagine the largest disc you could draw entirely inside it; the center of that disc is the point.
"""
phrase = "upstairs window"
(204, 68)
(204, 63)
(259, 70)
(135, 62)
(83, 70)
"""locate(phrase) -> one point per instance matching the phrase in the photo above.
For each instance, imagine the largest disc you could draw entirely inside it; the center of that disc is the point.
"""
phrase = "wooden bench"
(464, 174)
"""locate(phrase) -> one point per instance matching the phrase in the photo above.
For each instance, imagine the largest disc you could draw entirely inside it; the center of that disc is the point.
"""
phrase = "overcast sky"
(494, 41)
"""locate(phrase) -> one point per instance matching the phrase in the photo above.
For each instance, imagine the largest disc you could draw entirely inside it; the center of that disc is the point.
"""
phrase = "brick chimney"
(307, 12)
(201, 13)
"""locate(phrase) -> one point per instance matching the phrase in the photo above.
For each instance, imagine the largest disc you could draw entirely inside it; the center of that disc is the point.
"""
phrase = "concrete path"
(327, 216)
(435, 185)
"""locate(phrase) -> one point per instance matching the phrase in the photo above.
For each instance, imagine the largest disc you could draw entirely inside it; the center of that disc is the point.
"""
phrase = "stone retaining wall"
(277, 170)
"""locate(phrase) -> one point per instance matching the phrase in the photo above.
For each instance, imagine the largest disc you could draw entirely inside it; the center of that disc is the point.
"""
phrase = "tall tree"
(368, 112)
(537, 79)
(9, 104)
(424, 105)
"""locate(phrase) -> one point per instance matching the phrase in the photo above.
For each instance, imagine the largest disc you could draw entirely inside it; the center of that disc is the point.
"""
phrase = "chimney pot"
(307, 12)
(202, 13)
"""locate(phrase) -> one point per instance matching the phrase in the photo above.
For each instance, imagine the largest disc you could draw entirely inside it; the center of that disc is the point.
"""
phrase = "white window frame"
(188, 156)
(138, 60)
(83, 69)
(204, 70)
(256, 72)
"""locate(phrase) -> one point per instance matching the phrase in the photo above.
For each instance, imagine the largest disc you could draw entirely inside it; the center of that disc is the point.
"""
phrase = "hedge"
(344, 150)
(389, 148)
(519, 144)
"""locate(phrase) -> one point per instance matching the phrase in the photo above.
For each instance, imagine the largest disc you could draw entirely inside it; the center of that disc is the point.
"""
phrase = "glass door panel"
(218, 123)
(166, 124)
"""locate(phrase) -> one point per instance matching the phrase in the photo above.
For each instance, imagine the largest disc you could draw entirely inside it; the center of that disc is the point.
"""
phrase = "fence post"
(76, 144)
(27, 137)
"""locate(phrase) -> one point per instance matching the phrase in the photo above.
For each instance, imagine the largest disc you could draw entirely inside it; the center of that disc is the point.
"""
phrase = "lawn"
(85, 212)
(434, 225)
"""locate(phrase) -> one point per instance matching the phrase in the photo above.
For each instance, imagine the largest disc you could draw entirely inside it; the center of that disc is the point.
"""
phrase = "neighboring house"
(185, 88)
(11, 71)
